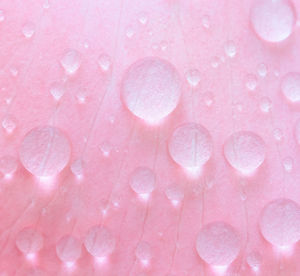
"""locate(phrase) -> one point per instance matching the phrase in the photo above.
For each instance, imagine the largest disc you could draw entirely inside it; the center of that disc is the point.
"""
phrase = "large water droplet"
(273, 20)
(245, 151)
(28, 29)
(190, 146)
(218, 244)
(70, 61)
(99, 241)
(142, 180)
(290, 87)
(29, 241)
(68, 249)
(151, 89)
(45, 151)
(280, 222)
(143, 252)
(8, 165)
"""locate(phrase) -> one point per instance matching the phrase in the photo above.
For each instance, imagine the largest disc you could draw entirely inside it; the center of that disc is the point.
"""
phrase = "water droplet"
(278, 135)
(164, 45)
(142, 180)
(29, 241)
(262, 70)
(290, 87)
(174, 193)
(254, 260)
(218, 244)
(8, 165)
(206, 21)
(57, 90)
(265, 104)
(46, 4)
(14, 71)
(143, 19)
(208, 98)
(2, 16)
(28, 29)
(251, 82)
(77, 168)
(245, 151)
(143, 252)
(193, 77)
(230, 48)
(99, 241)
(68, 249)
(70, 61)
(129, 32)
(9, 123)
(190, 146)
(273, 20)
(151, 89)
(104, 62)
(106, 148)
(288, 164)
(215, 62)
(280, 222)
(45, 151)
(81, 96)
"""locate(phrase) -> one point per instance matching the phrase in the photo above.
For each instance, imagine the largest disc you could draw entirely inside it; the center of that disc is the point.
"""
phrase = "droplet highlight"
(142, 180)
(29, 241)
(70, 61)
(68, 249)
(290, 87)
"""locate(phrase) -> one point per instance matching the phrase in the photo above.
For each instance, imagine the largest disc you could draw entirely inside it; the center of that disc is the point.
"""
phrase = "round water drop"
(273, 20)
(77, 168)
(218, 244)
(254, 260)
(190, 146)
(251, 82)
(265, 104)
(68, 249)
(151, 89)
(262, 70)
(208, 98)
(57, 90)
(99, 241)
(230, 48)
(29, 241)
(206, 21)
(8, 165)
(28, 29)
(104, 61)
(143, 252)
(70, 61)
(215, 62)
(2, 16)
(9, 123)
(129, 32)
(193, 77)
(174, 193)
(143, 19)
(288, 164)
(105, 148)
(280, 222)
(142, 180)
(290, 87)
(278, 135)
(245, 151)
(45, 151)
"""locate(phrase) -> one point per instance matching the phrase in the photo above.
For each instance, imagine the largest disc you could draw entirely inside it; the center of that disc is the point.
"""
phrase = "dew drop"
(129, 32)
(193, 77)
(142, 180)
(251, 82)
(81, 96)
(254, 260)
(57, 90)
(151, 89)
(46, 4)
(14, 71)
(143, 252)
(290, 87)
(45, 151)
(280, 222)
(215, 62)
(77, 168)
(245, 151)
(143, 19)
(2, 16)
(190, 146)
(265, 104)
(288, 164)
(104, 62)
(174, 193)
(105, 148)
(206, 21)
(273, 20)
(164, 45)
(262, 70)
(8, 165)
(99, 241)
(9, 123)
(208, 98)
(230, 48)
(68, 249)
(278, 135)
(29, 241)
(28, 29)
(70, 61)
(218, 244)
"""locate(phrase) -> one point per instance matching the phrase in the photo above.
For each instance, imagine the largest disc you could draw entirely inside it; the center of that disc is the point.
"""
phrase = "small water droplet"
(70, 61)
(77, 168)
(290, 87)
(208, 98)
(29, 241)
(81, 96)
(57, 90)
(254, 260)
(8, 165)
(262, 70)
(105, 148)
(142, 180)
(193, 77)
(164, 45)
(14, 71)
(230, 48)
(278, 135)
(129, 32)
(215, 62)
(297, 131)
(9, 123)
(46, 4)
(143, 252)
(288, 164)
(206, 21)
(143, 19)
(251, 82)
(68, 249)
(104, 62)
(174, 193)
(265, 104)
(28, 29)
(2, 16)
